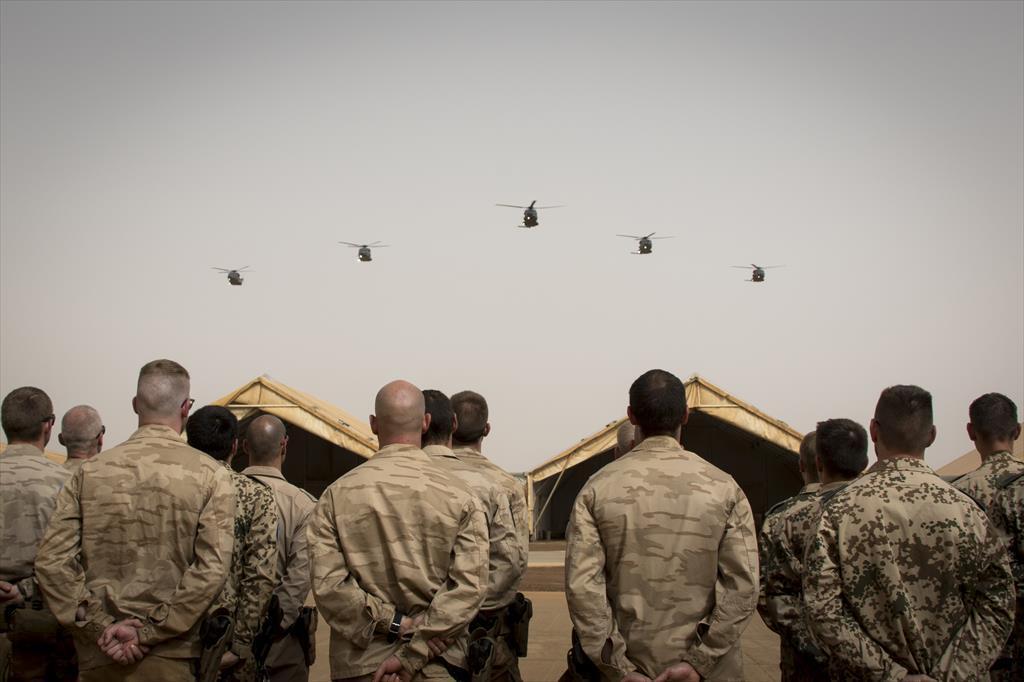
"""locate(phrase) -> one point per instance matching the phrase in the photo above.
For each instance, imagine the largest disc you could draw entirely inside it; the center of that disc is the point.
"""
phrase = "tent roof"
(294, 407)
(701, 396)
(55, 457)
(972, 460)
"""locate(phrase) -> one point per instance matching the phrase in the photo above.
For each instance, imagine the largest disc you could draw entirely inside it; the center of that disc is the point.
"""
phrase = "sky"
(876, 150)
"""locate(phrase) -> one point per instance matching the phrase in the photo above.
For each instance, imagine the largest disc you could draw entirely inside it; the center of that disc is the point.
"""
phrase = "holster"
(30, 621)
(264, 637)
(305, 629)
(480, 657)
(215, 636)
(519, 614)
(581, 668)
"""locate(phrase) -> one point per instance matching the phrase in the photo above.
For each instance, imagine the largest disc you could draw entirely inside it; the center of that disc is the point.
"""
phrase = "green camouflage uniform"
(661, 564)
(143, 531)
(1007, 513)
(906, 575)
(784, 536)
(253, 573)
(29, 484)
(398, 533)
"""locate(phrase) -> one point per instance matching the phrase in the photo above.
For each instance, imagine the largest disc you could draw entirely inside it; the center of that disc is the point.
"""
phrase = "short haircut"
(23, 413)
(808, 451)
(163, 387)
(904, 418)
(471, 410)
(212, 429)
(442, 417)
(658, 401)
(624, 437)
(80, 428)
(263, 438)
(842, 447)
(994, 417)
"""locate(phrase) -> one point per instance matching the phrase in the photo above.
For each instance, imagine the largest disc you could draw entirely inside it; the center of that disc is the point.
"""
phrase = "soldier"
(661, 555)
(1008, 516)
(905, 578)
(838, 452)
(140, 543)
(507, 562)
(81, 433)
(993, 428)
(266, 443)
(29, 484)
(399, 550)
(253, 575)
(625, 439)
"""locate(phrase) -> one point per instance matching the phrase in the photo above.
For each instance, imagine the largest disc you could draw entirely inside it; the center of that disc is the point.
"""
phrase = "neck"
(79, 455)
(986, 450)
(828, 477)
(38, 443)
(415, 440)
(476, 446)
(883, 454)
(173, 423)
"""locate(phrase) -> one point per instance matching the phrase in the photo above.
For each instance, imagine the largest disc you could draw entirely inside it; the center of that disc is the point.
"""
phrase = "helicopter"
(364, 254)
(234, 276)
(758, 274)
(644, 244)
(529, 213)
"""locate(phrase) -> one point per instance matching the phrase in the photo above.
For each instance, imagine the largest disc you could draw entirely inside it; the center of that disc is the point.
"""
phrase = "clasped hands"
(680, 672)
(391, 669)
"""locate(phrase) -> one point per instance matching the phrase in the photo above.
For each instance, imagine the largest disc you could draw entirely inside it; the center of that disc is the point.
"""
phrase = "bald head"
(265, 441)
(399, 414)
(81, 431)
(162, 392)
(624, 439)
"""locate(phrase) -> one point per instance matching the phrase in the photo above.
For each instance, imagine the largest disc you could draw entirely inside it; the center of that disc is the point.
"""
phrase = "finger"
(379, 675)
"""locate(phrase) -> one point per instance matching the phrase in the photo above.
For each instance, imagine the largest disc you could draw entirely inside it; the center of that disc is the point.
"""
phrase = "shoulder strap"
(1006, 480)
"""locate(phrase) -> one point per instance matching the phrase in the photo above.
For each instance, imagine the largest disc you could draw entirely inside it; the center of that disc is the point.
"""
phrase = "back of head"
(442, 418)
(399, 410)
(994, 418)
(624, 438)
(471, 412)
(24, 414)
(162, 390)
(80, 430)
(213, 430)
(808, 452)
(264, 439)
(903, 417)
(842, 446)
(658, 402)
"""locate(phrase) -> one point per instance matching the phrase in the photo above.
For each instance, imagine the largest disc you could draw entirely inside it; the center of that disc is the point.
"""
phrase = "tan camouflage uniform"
(981, 483)
(504, 505)
(72, 464)
(286, 661)
(152, 521)
(397, 533)
(661, 564)
(905, 575)
(253, 574)
(1007, 513)
(787, 529)
(29, 484)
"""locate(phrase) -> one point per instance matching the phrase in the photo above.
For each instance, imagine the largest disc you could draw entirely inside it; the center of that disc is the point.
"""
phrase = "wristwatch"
(396, 627)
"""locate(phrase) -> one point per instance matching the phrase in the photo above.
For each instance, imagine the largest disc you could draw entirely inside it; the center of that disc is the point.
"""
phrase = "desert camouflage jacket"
(981, 483)
(396, 534)
(906, 575)
(661, 564)
(143, 530)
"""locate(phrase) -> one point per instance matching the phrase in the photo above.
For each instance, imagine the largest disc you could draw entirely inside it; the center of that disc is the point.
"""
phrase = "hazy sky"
(874, 149)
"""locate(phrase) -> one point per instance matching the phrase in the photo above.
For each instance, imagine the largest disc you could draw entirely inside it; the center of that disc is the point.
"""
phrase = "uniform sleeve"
(521, 519)
(60, 573)
(978, 643)
(349, 609)
(585, 590)
(204, 578)
(259, 574)
(832, 623)
(736, 591)
(459, 599)
(505, 565)
(295, 583)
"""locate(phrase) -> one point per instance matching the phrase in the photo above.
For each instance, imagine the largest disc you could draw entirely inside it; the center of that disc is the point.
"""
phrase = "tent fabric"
(320, 418)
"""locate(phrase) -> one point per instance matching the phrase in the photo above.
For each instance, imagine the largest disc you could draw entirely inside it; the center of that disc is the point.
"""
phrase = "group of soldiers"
(158, 561)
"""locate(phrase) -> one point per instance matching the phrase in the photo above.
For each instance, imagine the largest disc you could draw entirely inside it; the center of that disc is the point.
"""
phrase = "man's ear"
(631, 416)
(971, 433)
(60, 439)
(873, 430)
(135, 407)
(1016, 433)
(487, 429)
(931, 436)
(373, 424)
(426, 421)
(686, 416)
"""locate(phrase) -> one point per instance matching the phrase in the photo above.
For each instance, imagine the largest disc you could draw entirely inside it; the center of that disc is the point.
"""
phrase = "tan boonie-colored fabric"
(906, 575)
(786, 531)
(294, 505)
(397, 533)
(152, 520)
(981, 483)
(72, 464)
(661, 564)
(29, 484)
(253, 574)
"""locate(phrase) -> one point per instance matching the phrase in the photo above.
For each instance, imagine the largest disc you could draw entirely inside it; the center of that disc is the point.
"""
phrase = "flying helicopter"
(529, 213)
(234, 276)
(364, 254)
(644, 244)
(758, 274)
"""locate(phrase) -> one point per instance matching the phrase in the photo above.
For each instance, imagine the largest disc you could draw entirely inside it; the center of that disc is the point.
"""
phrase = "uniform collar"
(156, 431)
(901, 464)
(1001, 456)
(467, 453)
(23, 450)
(269, 472)
(399, 449)
(831, 486)
(657, 443)
(810, 488)
(439, 451)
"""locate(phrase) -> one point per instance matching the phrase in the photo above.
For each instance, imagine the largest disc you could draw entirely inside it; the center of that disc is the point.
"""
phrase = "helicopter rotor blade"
(557, 206)
(629, 236)
(380, 246)
(220, 269)
(668, 236)
(741, 267)
(511, 206)
(769, 267)
(354, 246)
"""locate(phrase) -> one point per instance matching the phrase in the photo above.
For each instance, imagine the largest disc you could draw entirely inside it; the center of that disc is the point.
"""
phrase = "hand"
(680, 672)
(636, 677)
(409, 625)
(228, 660)
(438, 646)
(391, 670)
(10, 594)
(120, 641)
